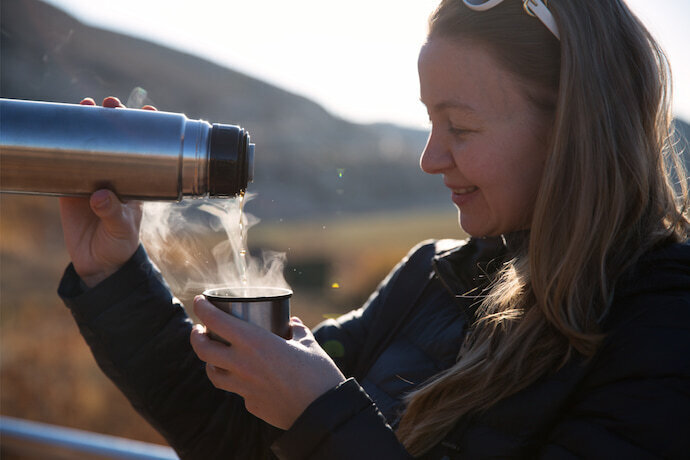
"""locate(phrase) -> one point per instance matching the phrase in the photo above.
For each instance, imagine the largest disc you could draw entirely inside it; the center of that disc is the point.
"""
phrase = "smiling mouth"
(465, 190)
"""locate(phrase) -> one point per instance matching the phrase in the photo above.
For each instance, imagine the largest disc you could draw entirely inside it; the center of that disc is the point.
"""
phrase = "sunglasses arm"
(540, 10)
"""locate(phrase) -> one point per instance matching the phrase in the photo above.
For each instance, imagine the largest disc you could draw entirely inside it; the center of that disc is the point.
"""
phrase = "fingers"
(220, 378)
(222, 366)
(299, 330)
(109, 101)
(105, 205)
(236, 331)
(113, 102)
(207, 349)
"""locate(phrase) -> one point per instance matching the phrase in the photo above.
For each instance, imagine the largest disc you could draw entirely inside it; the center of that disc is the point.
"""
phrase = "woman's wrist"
(93, 280)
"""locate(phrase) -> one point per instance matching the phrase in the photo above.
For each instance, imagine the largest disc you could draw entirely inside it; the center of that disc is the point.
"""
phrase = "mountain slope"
(308, 161)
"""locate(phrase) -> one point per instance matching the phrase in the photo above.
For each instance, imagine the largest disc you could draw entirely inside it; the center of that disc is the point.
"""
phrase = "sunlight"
(357, 59)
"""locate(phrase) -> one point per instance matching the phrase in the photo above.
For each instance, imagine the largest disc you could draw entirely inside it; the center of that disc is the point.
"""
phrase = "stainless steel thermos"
(74, 150)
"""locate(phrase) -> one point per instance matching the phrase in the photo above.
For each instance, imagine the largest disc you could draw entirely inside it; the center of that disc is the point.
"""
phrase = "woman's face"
(487, 140)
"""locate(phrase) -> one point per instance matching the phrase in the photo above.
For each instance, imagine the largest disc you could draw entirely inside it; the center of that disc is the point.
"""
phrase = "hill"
(308, 161)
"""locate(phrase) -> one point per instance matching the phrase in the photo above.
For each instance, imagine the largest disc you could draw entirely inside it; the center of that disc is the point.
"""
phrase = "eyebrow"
(451, 104)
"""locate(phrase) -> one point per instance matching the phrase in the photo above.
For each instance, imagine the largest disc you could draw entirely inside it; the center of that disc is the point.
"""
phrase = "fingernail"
(101, 200)
(111, 102)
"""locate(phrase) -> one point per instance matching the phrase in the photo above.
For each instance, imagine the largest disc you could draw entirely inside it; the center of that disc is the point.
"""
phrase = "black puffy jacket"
(631, 401)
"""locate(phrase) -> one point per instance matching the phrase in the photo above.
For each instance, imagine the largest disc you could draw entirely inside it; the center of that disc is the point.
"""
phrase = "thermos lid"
(231, 161)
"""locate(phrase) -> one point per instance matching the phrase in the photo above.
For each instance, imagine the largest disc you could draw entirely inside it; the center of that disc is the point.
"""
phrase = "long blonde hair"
(606, 197)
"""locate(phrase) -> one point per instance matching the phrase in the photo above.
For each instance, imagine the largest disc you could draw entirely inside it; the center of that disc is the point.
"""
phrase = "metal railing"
(33, 440)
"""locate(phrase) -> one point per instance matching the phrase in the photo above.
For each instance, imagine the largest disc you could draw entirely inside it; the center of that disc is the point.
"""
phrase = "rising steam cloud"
(197, 245)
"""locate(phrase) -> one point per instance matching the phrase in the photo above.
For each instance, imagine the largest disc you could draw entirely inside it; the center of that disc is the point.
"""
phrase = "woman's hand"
(100, 232)
(277, 378)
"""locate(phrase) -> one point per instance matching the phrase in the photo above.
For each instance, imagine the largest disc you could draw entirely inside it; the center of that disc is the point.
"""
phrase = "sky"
(358, 59)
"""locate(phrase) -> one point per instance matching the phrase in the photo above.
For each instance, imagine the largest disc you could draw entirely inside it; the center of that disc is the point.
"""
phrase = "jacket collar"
(466, 267)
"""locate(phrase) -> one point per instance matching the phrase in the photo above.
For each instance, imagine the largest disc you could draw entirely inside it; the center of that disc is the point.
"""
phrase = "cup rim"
(277, 293)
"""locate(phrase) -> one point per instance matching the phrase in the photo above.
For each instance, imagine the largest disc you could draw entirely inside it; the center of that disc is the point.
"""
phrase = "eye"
(457, 131)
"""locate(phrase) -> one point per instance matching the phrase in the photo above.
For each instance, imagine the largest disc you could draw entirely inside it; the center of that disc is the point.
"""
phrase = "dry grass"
(47, 373)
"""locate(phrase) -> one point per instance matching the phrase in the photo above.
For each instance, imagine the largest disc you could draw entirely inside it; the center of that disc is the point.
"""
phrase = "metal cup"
(266, 307)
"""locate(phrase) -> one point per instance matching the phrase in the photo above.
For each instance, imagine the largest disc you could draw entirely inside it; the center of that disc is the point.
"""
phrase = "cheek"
(511, 186)
(522, 183)
(474, 161)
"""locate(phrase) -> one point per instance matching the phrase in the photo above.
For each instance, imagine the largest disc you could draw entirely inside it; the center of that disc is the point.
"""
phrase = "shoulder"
(656, 288)
(633, 397)
(648, 327)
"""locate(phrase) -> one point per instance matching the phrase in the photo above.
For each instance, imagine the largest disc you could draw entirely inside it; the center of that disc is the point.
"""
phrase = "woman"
(560, 329)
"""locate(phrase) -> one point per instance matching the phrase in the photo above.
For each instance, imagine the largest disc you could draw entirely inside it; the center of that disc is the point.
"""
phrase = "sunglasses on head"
(535, 8)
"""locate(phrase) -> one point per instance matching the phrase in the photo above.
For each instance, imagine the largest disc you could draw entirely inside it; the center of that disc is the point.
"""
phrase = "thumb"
(299, 330)
(108, 208)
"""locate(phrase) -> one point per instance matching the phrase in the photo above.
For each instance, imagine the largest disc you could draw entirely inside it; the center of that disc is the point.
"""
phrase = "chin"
(476, 229)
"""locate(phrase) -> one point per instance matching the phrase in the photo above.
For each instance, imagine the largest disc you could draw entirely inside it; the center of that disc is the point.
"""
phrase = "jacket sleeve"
(139, 335)
(343, 423)
(635, 402)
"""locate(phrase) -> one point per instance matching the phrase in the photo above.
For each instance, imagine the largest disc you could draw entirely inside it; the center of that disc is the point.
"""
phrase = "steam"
(200, 244)
(138, 97)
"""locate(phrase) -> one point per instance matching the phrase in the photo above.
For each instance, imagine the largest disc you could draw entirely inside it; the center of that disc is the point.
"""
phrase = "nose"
(436, 157)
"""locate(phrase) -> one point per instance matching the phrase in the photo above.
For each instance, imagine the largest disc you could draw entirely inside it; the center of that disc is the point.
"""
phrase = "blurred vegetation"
(47, 373)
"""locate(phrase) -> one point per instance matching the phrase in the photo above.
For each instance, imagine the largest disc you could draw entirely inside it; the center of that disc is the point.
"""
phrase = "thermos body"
(74, 150)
